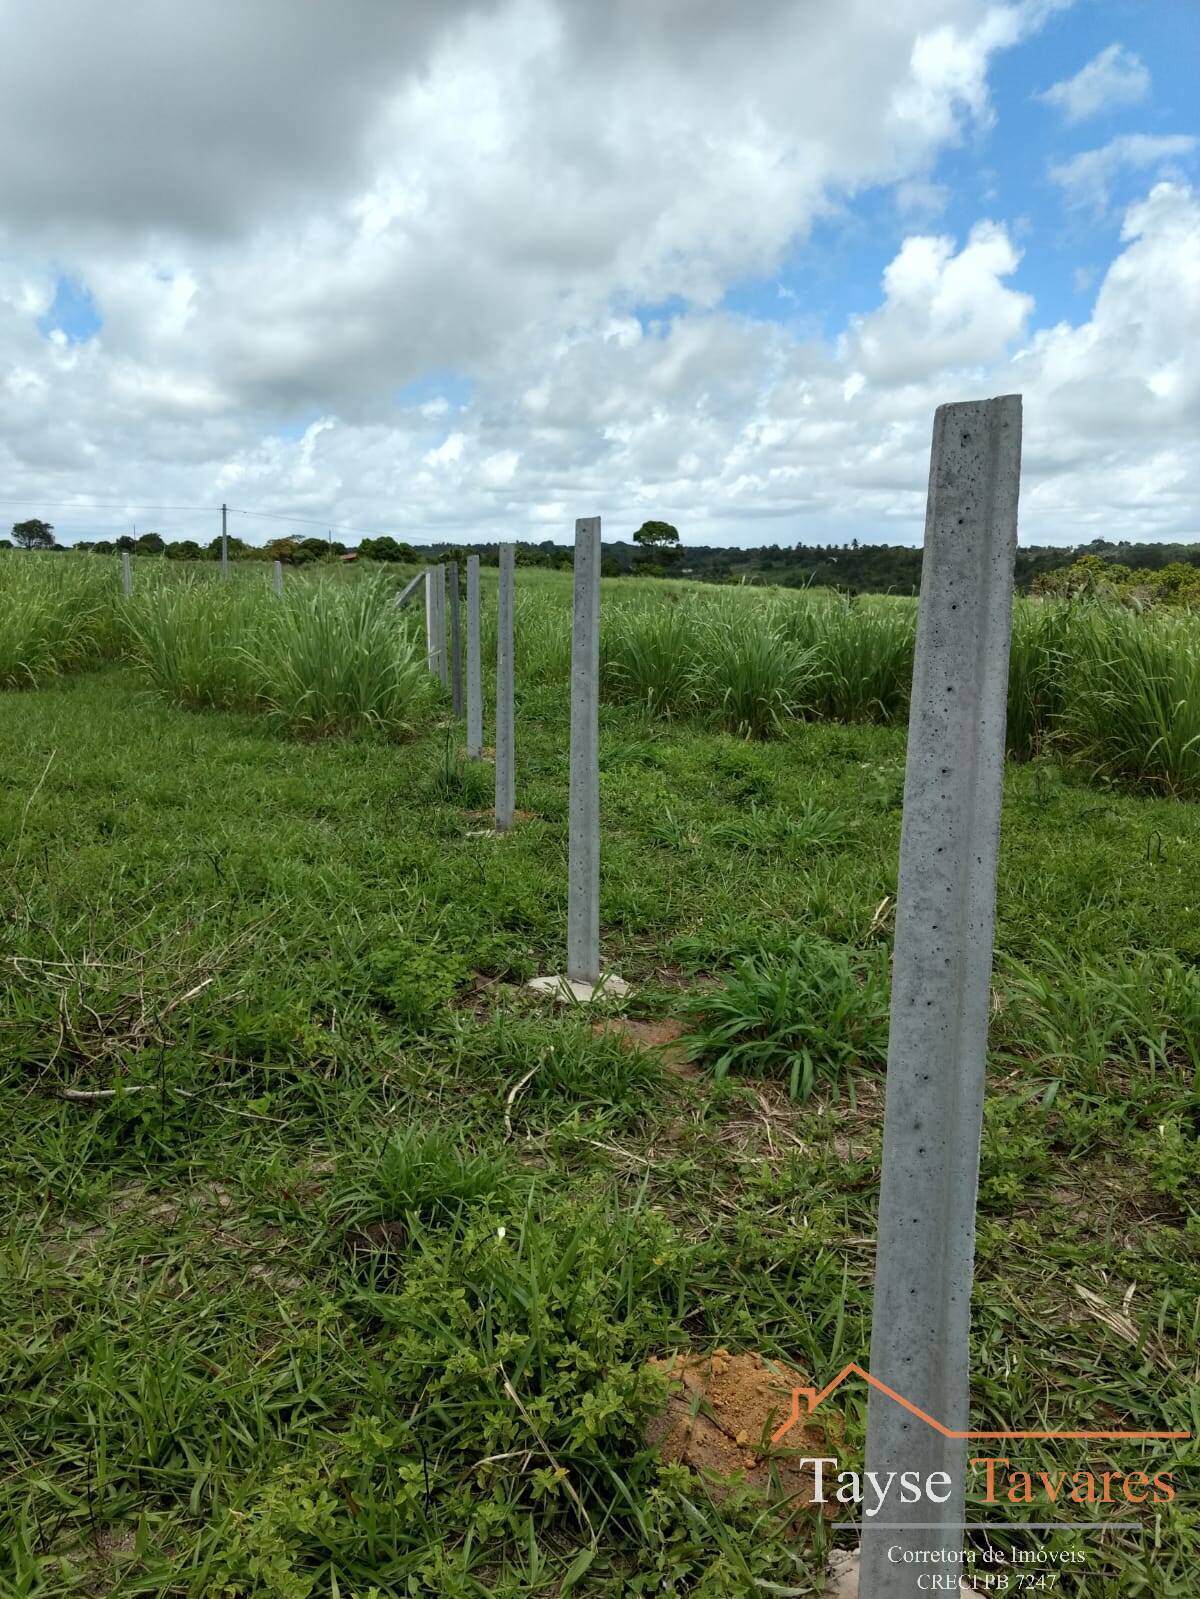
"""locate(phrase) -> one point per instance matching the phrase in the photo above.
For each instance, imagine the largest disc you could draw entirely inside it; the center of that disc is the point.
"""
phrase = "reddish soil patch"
(660, 1037)
(719, 1419)
(489, 814)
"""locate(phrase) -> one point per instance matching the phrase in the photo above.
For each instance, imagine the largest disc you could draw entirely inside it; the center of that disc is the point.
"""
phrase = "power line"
(321, 521)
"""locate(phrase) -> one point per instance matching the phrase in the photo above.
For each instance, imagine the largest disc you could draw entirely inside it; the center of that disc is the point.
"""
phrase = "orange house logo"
(806, 1400)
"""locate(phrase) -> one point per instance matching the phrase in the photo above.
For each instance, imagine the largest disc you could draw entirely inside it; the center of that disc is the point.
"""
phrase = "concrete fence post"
(126, 574)
(430, 621)
(439, 610)
(505, 780)
(474, 664)
(409, 589)
(583, 856)
(941, 980)
(456, 662)
(224, 543)
(277, 578)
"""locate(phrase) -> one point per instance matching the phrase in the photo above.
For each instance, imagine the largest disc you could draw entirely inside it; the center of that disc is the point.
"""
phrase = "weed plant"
(806, 1014)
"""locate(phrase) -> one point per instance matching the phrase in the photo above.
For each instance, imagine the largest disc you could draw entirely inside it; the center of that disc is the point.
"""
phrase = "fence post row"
(941, 980)
(505, 780)
(474, 664)
(583, 869)
(456, 662)
(126, 574)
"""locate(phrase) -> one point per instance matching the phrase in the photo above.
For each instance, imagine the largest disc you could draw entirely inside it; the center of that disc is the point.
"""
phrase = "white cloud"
(502, 196)
(1087, 179)
(1110, 81)
(942, 311)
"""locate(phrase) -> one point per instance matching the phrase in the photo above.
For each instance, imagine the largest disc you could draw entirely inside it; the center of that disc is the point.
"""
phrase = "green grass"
(55, 615)
(1095, 683)
(1133, 705)
(290, 976)
(323, 658)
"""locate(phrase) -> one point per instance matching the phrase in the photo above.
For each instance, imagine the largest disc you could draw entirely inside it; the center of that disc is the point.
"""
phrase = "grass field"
(281, 975)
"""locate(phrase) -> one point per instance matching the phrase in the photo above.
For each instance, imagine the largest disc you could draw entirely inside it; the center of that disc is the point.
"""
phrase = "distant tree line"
(656, 550)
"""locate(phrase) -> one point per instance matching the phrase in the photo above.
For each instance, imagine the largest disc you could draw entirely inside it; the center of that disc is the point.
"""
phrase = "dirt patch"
(377, 1237)
(488, 813)
(719, 1421)
(479, 996)
(660, 1037)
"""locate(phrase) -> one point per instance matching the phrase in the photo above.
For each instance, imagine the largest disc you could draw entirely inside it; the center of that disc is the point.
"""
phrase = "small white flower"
(500, 1232)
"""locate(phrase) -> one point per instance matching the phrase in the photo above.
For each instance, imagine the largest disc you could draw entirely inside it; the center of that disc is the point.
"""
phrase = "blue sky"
(72, 312)
(1002, 172)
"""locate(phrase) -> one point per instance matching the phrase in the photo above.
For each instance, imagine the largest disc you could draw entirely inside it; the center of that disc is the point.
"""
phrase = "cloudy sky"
(473, 268)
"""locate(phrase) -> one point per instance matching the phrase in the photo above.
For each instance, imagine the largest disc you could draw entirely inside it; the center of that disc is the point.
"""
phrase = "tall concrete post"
(583, 855)
(941, 978)
(505, 781)
(456, 663)
(474, 664)
(126, 574)
(430, 620)
(277, 578)
(439, 611)
(224, 542)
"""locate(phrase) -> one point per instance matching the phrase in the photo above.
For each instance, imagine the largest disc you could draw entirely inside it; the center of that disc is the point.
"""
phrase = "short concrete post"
(941, 978)
(456, 664)
(277, 578)
(224, 543)
(583, 856)
(474, 664)
(126, 574)
(430, 621)
(505, 780)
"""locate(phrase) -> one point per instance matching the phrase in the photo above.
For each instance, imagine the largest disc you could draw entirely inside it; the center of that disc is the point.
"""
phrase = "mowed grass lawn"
(288, 975)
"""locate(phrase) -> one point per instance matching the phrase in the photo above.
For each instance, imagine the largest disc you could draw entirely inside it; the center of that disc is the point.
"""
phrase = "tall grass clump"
(57, 613)
(1132, 701)
(750, 677)
(190, 641)
(649, 658)
(1039, 660)
(862, 655)
(541, 632)
(326, 658)
(710, 657)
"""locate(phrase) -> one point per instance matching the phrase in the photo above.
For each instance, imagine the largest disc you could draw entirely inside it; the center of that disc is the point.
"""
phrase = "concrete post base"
(568, 991)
